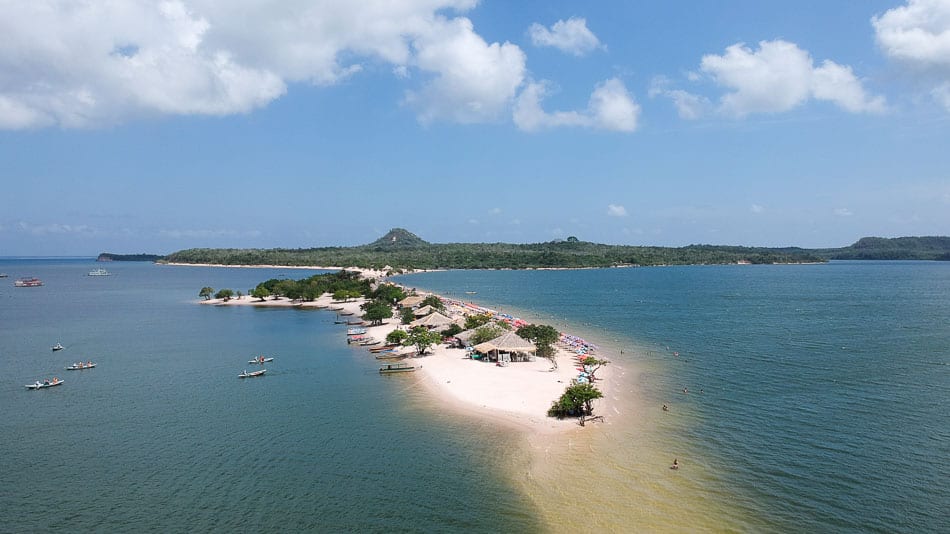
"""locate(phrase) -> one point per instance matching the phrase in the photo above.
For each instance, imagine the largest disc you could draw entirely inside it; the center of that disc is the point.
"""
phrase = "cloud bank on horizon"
(92, 64)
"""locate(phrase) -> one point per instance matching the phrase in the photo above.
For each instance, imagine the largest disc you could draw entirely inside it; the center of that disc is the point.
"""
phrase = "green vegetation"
(342, 284)
(485, 333)
(376, 311)
(396, 337)
(898, 248)
(474, 321)
(206, 292)
(544, 337)
(400, 249)
(422, 338)
(577, 401)
(225, 294)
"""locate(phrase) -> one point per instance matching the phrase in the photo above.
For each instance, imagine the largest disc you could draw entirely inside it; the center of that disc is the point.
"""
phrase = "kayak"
(80, 366)
(39, 385)
(260, 362)
(245, 374)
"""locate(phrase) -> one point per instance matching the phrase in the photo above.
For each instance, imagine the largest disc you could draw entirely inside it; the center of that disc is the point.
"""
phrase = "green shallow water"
(817, 402)
(163, 435)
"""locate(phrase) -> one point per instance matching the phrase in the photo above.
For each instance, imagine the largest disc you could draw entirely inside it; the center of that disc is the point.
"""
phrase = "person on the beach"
(675, 465)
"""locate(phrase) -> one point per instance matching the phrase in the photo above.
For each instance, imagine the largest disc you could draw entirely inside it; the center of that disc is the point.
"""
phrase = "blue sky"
(157, 126)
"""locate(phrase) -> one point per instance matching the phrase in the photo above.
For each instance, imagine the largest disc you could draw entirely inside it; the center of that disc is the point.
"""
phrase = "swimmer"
(666, 408)
(675, 465)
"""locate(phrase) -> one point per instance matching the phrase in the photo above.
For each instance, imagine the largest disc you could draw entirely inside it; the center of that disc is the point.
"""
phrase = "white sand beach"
(517, 394)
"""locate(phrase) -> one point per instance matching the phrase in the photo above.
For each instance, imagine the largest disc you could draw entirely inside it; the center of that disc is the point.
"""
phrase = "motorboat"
(260, 360)
(246, 374)
(57, 347)
(28, 282)
(99, 272)
(79, 366)
(355, 331)
(45, 384)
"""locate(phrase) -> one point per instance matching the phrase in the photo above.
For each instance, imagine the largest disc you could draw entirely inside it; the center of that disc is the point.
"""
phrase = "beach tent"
(508, 342)
(433, 320)
(411, 301)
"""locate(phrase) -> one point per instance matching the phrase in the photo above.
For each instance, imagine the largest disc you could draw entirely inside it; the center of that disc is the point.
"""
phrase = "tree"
(396, 337)
(260, 292)
(376, 311)
(389, 292)
(225, 294)
(544, 337)
(406, 316)
(594, 364)
(422, 338)
(474, 321)
(577, 400)
(485, 333)
(451, 330)
(433, 301)
(206, 292)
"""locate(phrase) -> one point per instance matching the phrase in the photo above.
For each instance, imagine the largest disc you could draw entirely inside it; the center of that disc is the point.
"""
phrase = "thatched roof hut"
(508, 342)
(411, 301)
(433, 320)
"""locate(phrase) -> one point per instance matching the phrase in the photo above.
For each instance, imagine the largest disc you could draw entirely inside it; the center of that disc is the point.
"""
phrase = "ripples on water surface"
(817, 393)
(817, 402)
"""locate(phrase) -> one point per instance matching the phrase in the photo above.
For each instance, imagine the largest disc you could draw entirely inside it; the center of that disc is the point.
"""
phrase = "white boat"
(78, 366)
(245, 374)
(57, 347)
(28, 282)
(45, 384)
(99, 272)
(260, 360)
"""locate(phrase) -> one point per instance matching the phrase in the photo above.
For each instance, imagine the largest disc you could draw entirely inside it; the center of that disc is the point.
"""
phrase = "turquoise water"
(817, 402)
(163, 435)
(817, 394)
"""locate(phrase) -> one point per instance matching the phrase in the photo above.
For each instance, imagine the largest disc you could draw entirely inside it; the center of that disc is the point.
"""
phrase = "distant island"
(108, 256)
(400, 250)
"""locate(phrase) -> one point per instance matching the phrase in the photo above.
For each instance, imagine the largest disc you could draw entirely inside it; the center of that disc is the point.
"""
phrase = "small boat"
(78, 366)
(57, 347)
(4, 275)
(384, 347)
(369, 342)
(389, 355)
(354, 323)
(260, 360)
(470, 292)
(28, 282)
(99, 272)
(355, 331)
(397, 368)
(355, 339)
(245, 374)
(336, 308)
(339, 322)
(45, 384)
(346, 313)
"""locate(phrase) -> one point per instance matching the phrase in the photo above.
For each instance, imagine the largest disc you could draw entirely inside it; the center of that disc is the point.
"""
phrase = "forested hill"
(897, 248)
(108, 256)
(400, 249)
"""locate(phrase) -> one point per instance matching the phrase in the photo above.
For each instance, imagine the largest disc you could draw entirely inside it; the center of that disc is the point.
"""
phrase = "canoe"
(396, 368)
(245, 374)
(80, 367)
(369, 342)
(259, 362)
(384, 348)
(39, 385)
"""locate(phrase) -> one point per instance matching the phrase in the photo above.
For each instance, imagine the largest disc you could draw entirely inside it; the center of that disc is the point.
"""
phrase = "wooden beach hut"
(432, 321)
(507, 347)
(425, 310)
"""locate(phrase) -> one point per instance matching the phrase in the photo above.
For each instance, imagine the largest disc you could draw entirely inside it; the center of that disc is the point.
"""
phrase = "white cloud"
(610, 107)
(757, 209)
(494, 211)
(615, 210)
(571, 36)
(688, 105)
(780, 76)
(94, 63)
(918, 33)
(474, 81)
(473, 221)
(843, 212)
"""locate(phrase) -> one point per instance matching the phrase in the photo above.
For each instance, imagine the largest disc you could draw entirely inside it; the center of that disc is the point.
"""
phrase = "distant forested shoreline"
(401, 250)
